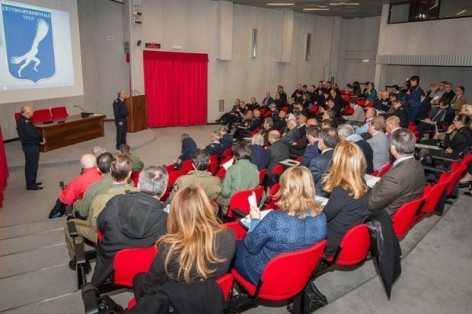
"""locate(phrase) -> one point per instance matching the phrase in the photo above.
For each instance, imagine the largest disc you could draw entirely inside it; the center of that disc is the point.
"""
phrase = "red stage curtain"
(3, 168)
(176, 88)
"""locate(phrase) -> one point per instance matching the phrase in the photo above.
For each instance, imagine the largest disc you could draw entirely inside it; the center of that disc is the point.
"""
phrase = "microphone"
(83, 114)
(80, 107)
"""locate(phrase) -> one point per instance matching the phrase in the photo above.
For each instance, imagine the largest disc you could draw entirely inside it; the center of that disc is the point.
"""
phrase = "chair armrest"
(72, 229)
(432, 169)
(446, 159)
(239, 212)
(90, 298)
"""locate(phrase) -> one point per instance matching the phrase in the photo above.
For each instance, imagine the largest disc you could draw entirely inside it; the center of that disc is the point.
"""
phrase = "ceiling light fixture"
(315, 9)
(343, 3)
(280, 4)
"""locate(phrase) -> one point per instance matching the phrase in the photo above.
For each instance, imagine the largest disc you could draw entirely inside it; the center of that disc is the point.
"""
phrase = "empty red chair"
(135, 177)
(59, 112)
(41, 115)
(457, 171)
(435, 197)
(262, 174)
(237, 228)
(127, 263)
(284, 276)
(239, 201)
(354, 246)
(174, 174)
(271, 202)
(278, 169)
(403, 218)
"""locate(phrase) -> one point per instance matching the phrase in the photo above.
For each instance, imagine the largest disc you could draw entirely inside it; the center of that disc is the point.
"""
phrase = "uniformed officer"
(30, 141)
(121, 118)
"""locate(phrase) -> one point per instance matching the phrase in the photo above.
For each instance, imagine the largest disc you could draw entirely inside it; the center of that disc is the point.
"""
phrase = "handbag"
(313, 298)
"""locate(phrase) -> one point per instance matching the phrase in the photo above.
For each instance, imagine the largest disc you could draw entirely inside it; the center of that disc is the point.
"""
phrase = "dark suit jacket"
(401, 184)
(278, 152)
(267, 101)
(368, 154)
(302, 130)
(318, 167)
(226, 141)
(460, 142)
(188, 148)
(259, 156)
(311, 151)
(291, 136)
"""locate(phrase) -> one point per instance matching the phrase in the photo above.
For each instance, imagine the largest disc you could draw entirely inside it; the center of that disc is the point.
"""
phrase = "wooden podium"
(137, 120)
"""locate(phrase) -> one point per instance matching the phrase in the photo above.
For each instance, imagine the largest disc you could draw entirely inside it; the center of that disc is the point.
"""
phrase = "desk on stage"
(73, 130)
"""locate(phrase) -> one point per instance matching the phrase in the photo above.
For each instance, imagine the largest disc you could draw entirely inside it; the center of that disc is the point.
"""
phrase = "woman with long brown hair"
(196, 247)
(299, 224)
(348, 203)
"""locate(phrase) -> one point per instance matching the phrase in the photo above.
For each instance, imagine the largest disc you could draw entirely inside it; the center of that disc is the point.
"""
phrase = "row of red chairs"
(42, 115)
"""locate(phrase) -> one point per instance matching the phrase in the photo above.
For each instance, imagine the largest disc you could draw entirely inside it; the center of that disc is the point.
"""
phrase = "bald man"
(121, 118)
(30, 142)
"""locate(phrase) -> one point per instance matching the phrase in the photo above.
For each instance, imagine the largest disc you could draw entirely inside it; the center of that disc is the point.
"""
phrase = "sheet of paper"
(228, 164)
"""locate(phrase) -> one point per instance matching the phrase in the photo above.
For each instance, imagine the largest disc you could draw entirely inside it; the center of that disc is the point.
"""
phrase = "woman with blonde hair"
(348, 203)
(196, 247)
(299, 224)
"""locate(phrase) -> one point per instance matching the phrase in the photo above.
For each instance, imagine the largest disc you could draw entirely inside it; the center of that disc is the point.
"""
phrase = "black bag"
(107, 306)
(313, 298)
(58, 210)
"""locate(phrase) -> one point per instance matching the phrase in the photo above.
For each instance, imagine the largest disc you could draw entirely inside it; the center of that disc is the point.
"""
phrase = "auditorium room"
(235, 156)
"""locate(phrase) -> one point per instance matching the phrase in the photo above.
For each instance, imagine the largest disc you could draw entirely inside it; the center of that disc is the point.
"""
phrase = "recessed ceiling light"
(315, 9)
(343, 3)
(280, 3)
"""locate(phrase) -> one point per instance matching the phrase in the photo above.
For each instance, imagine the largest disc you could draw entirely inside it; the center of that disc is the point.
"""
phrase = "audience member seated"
(448, 92)
(413, 99)
(267, 100)
(459, 99)
(282, 94)
(425, 108)
(267, 126)
(400, 110)
(242, 175)
(440, 120)
(370, 93)
(319, 165)
(298, 93)
(382, 103)
(369, 115)
(268, 237)
(348, 203)
(133, 219)
(379, 143)
(138, 165)
(188, 149)
(358, 115)
(249, 126)
(278, 150)
(259, 156)
(98, 150)
(280, 123)
(81, 207)
(391, 124)
(226, 139)
(466, 109)
(254, 104)
(292, 135)
(405, 181)
(231, 117)
(311, 150)
(338, 101)
(346, 133)
(196, 250)
(199, 177)
(87, 229)
(215, 148)
(76, 188)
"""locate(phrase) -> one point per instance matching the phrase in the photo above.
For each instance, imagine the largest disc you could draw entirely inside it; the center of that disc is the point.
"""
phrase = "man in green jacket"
(199, 177)
(242, 175)
(120, 173)
(138, 165)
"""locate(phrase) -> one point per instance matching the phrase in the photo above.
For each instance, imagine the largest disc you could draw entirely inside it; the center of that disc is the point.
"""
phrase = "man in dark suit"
(259, 156)
(405, 181)
(252, 125)
(278, 150)
(311, 150)
(30, 142)
(346, 133)
(188, 148)
(120, 112)
(267, 100)
(318, 166)
(292, 135)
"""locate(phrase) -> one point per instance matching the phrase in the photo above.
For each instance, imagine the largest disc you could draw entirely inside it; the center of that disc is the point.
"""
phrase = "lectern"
(137, 120)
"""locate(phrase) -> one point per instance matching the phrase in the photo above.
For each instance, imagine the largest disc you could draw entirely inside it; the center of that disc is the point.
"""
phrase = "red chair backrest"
(41, 115)
(237, 228)
(434, 193)
(354, 246)
(59, 112)
(227, 152)
(127, 263)
(174, 174)
(384, 169)
(278, 169)
(239, 200)
(286, 275)
(212, 167)
(271, 202)
(135, 177)
(457, 171)
(226, 285)
(221, 173)
(262, 174)
(17, 116)
(403, 218)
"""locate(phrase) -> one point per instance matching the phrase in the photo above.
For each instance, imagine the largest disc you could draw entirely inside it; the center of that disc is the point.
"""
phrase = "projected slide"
(35, 47)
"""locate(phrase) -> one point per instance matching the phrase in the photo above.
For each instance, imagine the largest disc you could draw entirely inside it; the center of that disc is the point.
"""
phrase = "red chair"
(17, 116)
(99, 236)
(41, 115)
(383, 170)
(212, 167)
(240, 203)
(435, 197)
(135, 177)
(278, 169)
(362, 102)
(457, 171)
(221, 173)
(354, 247)
(226, 153)
(342, 92)
(271, 202)
(237, 228)
(59, 112)
(403, 218)
(284, 276)
(174, 174)
(345, 98)
(127, 263)
(262, 174)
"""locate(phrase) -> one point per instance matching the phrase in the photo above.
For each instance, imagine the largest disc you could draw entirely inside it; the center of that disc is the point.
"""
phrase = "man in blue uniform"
(30, 141)
(121, 118)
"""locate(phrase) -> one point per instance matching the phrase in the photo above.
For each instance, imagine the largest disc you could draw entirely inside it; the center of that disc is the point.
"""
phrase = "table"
(71, 130)
(3, 168)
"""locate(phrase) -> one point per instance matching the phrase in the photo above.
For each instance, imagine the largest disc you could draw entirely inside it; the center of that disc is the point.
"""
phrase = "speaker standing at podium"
(121, 118)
